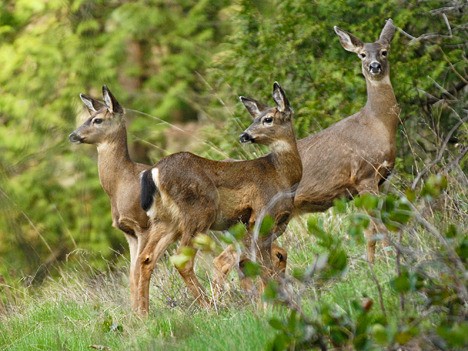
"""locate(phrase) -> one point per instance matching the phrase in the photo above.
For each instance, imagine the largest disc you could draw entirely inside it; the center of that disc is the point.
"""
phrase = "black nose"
(245, 138)
(375, 67)
(75, 138)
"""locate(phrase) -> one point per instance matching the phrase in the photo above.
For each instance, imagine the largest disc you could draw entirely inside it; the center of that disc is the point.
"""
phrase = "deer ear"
(387, 32)
(280, 98)
(349, 41)
(92, 104)
(111, 102)
(254, 107)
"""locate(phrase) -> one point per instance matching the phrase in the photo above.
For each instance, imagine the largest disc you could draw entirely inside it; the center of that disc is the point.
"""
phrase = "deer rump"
(178, 191)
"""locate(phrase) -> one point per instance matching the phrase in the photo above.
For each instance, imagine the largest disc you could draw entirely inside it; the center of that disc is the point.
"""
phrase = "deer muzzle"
(75, 138)
(245, 138)
(375, 67)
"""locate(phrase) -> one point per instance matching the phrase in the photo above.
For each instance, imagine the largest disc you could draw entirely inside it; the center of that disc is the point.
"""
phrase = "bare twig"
(439, 155)
(379, 287)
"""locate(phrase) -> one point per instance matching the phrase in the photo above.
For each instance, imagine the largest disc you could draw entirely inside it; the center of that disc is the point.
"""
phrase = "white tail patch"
(155, 175)
(151, 213)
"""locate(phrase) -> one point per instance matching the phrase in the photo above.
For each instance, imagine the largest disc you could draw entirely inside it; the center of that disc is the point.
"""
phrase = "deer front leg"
(159, 238)
(223, 264)
(133, 279)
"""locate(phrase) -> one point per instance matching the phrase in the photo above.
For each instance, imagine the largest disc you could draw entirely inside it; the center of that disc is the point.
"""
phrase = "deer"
(353, 156)
(185, 194)
(118, 174)
(120, 178)
(357, 154)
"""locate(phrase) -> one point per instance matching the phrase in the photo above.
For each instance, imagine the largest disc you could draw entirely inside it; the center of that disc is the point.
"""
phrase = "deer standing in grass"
(120, 177)
(357, 154)
(353, 156)
(118, 174)
(185, 194)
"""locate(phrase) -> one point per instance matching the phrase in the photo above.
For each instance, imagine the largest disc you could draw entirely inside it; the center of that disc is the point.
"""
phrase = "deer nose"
(75, 138)
(245, 138)
(375, 67)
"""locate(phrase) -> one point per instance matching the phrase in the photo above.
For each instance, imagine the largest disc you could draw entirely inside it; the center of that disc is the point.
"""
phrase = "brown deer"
(185, 194)
(355, 155)
(118, 174)
(119, 177)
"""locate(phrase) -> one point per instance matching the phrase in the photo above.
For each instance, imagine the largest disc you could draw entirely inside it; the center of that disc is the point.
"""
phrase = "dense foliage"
(184, 62)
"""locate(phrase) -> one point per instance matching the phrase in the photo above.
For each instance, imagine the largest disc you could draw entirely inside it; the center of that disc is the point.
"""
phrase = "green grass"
(79, 310)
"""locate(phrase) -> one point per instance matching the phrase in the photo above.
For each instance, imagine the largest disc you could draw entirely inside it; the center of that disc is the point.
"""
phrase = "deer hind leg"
(157, 242)
(188, 274)
(131, 230)
(374, 228)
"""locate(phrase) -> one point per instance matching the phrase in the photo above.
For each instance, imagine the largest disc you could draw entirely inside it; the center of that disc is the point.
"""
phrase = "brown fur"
(119, 177)
(118, 174)
(356, 154)
(196, 194)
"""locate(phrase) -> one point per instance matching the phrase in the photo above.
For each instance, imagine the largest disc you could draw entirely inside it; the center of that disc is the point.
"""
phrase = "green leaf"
(181, 259)
(266, 226)
(238, 231)
(276, 324)
(271, 291)
(434, 185)
(368, 202)
(455, 335)
(451, 231)
(339, 205)
(379, 333)
(401, 283)
(251, 269)
(204, 242)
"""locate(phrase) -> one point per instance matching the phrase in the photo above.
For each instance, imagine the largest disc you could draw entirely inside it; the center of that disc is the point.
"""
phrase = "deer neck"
(113, 159)
(286, 159)
(381, 103)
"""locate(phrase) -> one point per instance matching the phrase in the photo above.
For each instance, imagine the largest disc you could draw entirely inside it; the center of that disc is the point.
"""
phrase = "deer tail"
(148, 189)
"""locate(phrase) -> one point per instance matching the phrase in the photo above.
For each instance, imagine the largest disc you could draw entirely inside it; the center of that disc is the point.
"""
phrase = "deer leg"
(223, 265)
(225, 262)
(158, 241)
(279, 259)
(188, 275)
(133, 280)
(371, 187)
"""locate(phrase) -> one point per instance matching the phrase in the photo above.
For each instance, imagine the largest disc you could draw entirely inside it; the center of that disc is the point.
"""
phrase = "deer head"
(261, 131)
(106, 118)
(374, 56)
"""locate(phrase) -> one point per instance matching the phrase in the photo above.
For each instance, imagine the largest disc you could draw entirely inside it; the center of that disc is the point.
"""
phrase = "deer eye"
(268, 120)
(362, 55)
(97, 121)
(384, 53)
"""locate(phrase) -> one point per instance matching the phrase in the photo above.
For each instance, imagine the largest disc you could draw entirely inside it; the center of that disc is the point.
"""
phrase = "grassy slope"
(74, 312)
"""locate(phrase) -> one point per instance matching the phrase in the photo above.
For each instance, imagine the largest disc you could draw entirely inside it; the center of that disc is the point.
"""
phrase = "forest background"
(178, 68)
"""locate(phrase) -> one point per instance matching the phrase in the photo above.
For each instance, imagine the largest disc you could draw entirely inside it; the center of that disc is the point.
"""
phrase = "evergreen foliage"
(186, 61)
